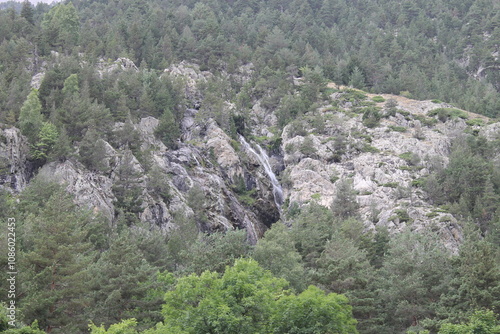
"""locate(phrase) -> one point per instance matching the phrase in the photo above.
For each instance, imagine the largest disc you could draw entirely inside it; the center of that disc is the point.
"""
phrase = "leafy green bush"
(404, 113)
(248, 198)
(475, 122)
(361, 135)
(397, 128)
(411, 158)
(419, 183)
(432, 214)
(391, 107)
(459, 113)
(403, 216)
(353, 95)
(427, 121)
(445, 219)
(367, 148)
(367, 103)
(378, 99)
(444, 114)
(297, 128)
(316, 196)
(406, 94)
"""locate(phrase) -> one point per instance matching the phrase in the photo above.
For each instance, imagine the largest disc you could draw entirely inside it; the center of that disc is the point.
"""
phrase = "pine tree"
(61, 26)
(415, 273)
(327, 13)
(276, 252)
(31, 119)
(54, 260)
(93, 153)
(158, 183)
(46, 140)
(121, 112)
(127, 189)
(344, 204)
(476, 280)
(168, 129)
(486, 206)
(120, 284)
(70, 86)
(357, 78)
(27, 12)
(62, 149)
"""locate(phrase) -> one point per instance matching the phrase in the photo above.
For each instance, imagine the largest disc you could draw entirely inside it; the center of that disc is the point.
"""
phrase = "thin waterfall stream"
(264, 161)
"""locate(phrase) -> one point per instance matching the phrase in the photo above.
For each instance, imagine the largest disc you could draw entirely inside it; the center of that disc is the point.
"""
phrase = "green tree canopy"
(27, 12)
(249, 299)
(481, 322)
(61, 26)
(54, 258)
(31, 119)
(245, 299)
(47, 138)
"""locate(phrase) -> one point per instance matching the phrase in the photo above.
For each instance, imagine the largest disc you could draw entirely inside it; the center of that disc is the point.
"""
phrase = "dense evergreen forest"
(321, 272)
(446, 50)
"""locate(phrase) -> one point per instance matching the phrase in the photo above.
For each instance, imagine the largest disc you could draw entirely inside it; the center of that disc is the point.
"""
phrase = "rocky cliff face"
(384, 163)
(15, 170)
(318, 152)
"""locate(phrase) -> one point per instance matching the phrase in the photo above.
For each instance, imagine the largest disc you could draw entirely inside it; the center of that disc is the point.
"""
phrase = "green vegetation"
(397, 128)
(30, 118)
(480, 322)
(77, 265)
(427, 121)
(307, 147)
(402, 215)
(475, 122)
(246, 196)
(411, 158)
(353, 95)
(246, 299)
(327, 248)
(367, 148)
(425, 68)
(444, 114)
(371, 116)
(316, 196)
(419, 183)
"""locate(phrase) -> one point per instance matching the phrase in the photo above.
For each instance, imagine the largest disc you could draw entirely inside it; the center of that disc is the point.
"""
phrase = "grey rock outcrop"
(15, 169)
(120, 64)
(90, 189)
(386, 166)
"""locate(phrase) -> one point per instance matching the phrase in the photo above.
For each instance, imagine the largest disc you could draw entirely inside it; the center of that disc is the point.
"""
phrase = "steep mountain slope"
(145, 142)
(381, 152)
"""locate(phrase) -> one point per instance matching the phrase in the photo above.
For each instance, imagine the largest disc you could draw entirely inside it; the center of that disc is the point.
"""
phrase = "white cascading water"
(264, 161)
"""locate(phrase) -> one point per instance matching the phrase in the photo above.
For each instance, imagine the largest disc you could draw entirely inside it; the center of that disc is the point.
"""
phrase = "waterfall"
(264, 161)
